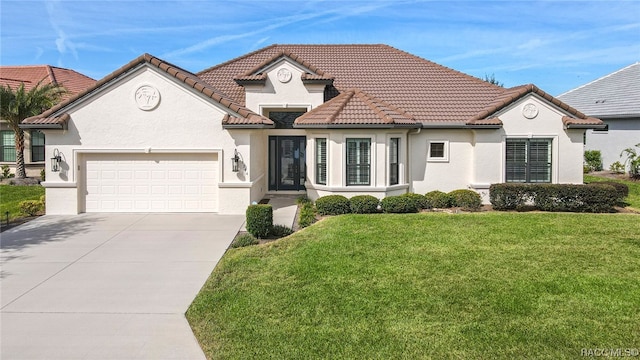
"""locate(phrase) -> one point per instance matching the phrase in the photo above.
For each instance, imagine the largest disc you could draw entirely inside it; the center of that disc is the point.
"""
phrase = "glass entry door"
(287, 162)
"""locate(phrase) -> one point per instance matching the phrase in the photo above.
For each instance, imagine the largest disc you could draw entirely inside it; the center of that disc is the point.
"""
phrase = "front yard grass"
(430, 285)
(634, 188)
(12, 195)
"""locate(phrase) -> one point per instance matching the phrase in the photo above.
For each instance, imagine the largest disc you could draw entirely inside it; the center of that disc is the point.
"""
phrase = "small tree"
(19, 104)
(633, 159)
(492, 80)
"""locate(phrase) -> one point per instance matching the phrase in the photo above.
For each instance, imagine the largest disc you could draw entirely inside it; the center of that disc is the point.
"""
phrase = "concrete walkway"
(107, 286)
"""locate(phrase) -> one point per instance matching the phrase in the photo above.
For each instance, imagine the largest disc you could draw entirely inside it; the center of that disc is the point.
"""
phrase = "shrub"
(333, 205)
(617, 167)
(302, 199)
(31, 207)
(279, 231)
(259, 220)
(399, 204)
(633, 159)
(43, 175)
(466, 199)
(593, 160)
(438, 199)
(621, 189)
(508, 196)
(243, 240)
(555, 197)
(307, 215)
(364, 204)
(6, 172)
(420, 200)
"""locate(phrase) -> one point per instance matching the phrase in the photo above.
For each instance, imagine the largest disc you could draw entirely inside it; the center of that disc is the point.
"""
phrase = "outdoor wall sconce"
(55, 161)
(235, 160)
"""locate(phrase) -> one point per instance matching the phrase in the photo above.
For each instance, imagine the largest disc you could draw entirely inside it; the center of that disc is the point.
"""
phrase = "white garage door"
(151, 182)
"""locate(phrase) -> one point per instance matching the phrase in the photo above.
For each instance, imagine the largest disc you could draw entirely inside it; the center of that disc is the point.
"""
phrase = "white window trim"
(555, 154)
(372, 158)
(315, 158)
(445, 158)
(400, 159)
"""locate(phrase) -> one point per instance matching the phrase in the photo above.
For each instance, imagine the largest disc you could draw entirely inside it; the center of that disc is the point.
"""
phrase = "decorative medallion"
(147, 97)
(530, 111)
(284, 75)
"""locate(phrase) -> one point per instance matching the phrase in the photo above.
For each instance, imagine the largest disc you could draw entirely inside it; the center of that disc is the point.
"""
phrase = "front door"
(287, 163)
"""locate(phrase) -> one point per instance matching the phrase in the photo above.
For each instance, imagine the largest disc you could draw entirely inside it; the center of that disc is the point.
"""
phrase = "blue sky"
(558, 45)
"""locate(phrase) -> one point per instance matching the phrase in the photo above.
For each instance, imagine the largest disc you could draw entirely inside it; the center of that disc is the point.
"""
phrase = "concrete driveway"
(107, 286)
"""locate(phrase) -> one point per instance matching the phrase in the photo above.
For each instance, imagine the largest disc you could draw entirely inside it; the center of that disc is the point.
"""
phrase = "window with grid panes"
(358, 162)
(528, 160)
(8, 145)
(394, 145)
(37, 146)
(321, 161)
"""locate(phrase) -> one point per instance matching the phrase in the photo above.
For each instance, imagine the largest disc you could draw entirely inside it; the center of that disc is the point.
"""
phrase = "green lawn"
(12, 195)
(634, 188)
(430, 285)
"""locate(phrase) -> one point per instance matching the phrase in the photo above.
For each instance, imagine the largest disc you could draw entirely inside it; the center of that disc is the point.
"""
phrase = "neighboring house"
(614, 98)
(31, 75)
(299, 119)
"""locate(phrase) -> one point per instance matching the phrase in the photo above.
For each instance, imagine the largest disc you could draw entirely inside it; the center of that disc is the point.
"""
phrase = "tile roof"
(189, 79)
(616, 95)
(31, 75)
(355, 107)
(423, 90)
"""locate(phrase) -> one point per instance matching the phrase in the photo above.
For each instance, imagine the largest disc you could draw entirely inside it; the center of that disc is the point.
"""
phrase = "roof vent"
(600, 101)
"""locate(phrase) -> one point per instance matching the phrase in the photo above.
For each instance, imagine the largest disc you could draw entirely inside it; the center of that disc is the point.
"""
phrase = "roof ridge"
(51, 75)
(348, 95)
(637, 63)
(374, 104)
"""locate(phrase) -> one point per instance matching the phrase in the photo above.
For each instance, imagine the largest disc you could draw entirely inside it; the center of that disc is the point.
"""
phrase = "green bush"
(259, 220)
(593, 160)
(6, 172)
(421, 201)
(302, 199)
(438, 199)
(279, 231)
(555, 197)
(621, 189)
(509, 196)
(364, 204)
(617, 167)
(333, 205)
(466, 199)
(243, 240)
(43, 175)
(307, 215)
(31, 207)
(399, 204)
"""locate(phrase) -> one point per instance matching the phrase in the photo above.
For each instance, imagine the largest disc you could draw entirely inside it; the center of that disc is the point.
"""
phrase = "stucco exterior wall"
(622, 134)
(276, 94)
(336, 163)
(110, 122)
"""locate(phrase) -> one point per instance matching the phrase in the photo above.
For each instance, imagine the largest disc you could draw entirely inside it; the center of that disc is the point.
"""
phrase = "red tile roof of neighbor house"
(31, 75)
(366, 86)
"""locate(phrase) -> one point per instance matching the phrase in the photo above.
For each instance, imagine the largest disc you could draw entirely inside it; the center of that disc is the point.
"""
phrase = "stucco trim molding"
(368, 189)
(53, 185)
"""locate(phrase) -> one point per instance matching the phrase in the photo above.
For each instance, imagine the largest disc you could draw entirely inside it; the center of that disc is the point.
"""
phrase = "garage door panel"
(151, 182)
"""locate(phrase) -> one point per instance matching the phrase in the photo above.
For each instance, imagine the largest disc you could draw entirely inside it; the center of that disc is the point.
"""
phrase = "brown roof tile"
(180, 74)
(31, 75)
(355, 107)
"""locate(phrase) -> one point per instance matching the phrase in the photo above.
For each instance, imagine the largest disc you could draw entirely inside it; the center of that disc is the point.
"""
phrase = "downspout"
(408, 172)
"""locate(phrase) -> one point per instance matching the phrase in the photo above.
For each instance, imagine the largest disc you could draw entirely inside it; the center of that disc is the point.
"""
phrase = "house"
(614, 98)
(31, 75)
(299, 119)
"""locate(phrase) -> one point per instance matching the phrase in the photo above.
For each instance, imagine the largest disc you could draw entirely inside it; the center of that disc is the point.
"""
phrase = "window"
(438, 151)
(528, 160)
(394, 145)
(358, 162)
(321, 161)
(37, 146)
(8, 144)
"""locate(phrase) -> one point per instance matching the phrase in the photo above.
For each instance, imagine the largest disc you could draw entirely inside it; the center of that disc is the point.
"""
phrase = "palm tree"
(19, 104)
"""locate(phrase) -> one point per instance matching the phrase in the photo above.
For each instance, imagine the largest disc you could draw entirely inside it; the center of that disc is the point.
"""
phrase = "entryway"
(287, 163)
